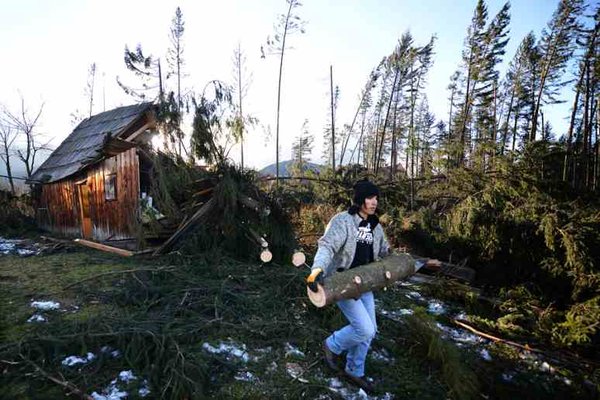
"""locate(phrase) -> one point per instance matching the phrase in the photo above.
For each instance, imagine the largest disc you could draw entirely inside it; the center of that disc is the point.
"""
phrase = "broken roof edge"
(43, 174)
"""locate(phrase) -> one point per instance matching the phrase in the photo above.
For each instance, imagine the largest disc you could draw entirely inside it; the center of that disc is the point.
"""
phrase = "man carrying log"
(352, 238)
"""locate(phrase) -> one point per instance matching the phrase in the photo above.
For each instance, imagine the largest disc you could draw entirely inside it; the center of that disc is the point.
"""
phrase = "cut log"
(298, 258)
(351, 283)
(266, 256)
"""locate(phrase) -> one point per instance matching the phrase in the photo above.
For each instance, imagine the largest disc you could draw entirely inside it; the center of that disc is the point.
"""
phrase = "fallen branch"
(67, 385)
(495, 338)
(125, 271)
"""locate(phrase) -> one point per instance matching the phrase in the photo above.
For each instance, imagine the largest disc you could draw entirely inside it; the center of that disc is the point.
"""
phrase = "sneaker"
(361, 381)
(331, 359)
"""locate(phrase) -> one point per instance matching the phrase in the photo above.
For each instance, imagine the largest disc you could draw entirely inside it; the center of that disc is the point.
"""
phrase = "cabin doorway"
(84, 210)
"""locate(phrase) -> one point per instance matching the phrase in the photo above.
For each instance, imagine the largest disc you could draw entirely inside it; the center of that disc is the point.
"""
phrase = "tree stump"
(351, 283)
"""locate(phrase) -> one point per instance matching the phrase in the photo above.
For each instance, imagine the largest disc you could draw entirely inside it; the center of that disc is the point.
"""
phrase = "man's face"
(370, 205)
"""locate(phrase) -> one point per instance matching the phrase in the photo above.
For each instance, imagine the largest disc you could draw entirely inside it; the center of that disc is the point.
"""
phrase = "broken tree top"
(351, 283)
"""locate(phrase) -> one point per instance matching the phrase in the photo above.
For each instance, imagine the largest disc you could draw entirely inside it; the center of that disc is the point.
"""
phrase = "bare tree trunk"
(241, 116)
(285, 30)
(387, 115)
(466, 111)
(344, 146)
(332, 119)
(7, 138)
(515, 126)
(538, 98)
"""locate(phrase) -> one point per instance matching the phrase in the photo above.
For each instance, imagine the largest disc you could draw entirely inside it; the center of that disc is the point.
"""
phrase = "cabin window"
(110, 179)
(110, 187)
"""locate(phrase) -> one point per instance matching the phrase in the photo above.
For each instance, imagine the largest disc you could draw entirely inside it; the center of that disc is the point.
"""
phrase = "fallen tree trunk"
(352, 283)
(202, 212)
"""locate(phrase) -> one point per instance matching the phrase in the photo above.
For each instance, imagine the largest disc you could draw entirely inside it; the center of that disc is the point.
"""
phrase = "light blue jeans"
(356, 337)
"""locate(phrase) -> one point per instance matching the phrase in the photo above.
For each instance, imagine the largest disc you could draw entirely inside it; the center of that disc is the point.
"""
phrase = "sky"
(47, 48)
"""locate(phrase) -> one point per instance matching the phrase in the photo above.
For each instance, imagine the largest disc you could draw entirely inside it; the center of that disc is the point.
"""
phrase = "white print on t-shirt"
(364, 234)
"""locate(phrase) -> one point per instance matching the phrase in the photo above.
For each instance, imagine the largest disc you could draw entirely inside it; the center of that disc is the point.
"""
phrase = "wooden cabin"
(90, 186)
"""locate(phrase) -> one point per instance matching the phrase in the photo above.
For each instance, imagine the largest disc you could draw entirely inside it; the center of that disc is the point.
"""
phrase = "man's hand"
(314, 279)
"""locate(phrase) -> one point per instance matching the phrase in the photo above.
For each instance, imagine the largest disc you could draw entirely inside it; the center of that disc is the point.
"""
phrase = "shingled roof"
(87, 141)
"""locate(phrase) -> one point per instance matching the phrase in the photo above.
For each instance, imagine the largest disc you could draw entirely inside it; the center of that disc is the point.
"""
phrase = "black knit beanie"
(362, 190)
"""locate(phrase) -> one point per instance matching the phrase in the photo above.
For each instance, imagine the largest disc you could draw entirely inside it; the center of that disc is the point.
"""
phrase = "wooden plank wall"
(111, 219)
(60, 208)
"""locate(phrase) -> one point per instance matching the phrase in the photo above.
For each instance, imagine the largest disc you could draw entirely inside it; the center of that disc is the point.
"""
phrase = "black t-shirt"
(364, 243)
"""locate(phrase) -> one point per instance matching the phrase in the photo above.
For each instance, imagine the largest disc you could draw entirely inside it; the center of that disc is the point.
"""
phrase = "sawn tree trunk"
(352, 283)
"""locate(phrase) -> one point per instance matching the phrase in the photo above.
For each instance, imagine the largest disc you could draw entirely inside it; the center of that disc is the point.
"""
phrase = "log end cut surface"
(318, 298)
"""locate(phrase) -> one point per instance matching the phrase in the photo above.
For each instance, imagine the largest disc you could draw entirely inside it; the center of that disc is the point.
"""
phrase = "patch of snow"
(74, 360)
(485, 355)
(382, 355)
(45, 305)
(272, 367)
(461, 315)
(335, 383)
(436, 307)
(396, 315)
(414, 295)
(245, 376)
(127, 376)
(23, 248)
(508, 376)
(459, 335)
(144, 390)
(346, 393)
(545, 367)
(109, 350)
(26, 252)
(112, 391)
(37, 318)
(292, 351)
(7, 245)
(232, 350)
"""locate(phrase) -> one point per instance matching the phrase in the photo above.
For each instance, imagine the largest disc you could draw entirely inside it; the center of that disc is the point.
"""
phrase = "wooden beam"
(187, 224)
(139, 131)
(103, 247)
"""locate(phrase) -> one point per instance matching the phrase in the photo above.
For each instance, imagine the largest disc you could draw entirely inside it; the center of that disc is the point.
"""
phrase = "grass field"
(210, 327)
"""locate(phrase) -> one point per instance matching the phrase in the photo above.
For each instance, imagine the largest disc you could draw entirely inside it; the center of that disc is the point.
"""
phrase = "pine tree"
(481, 56)
(329, 140)
(148, 69)
(471, 57)
(363, 106)
(519, 88)
(302, 149)
(242, 80)
(175, 61)
(586, 90)
(556, 48)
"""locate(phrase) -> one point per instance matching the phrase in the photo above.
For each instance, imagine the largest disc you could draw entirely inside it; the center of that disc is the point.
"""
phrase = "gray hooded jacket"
(338, 244)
